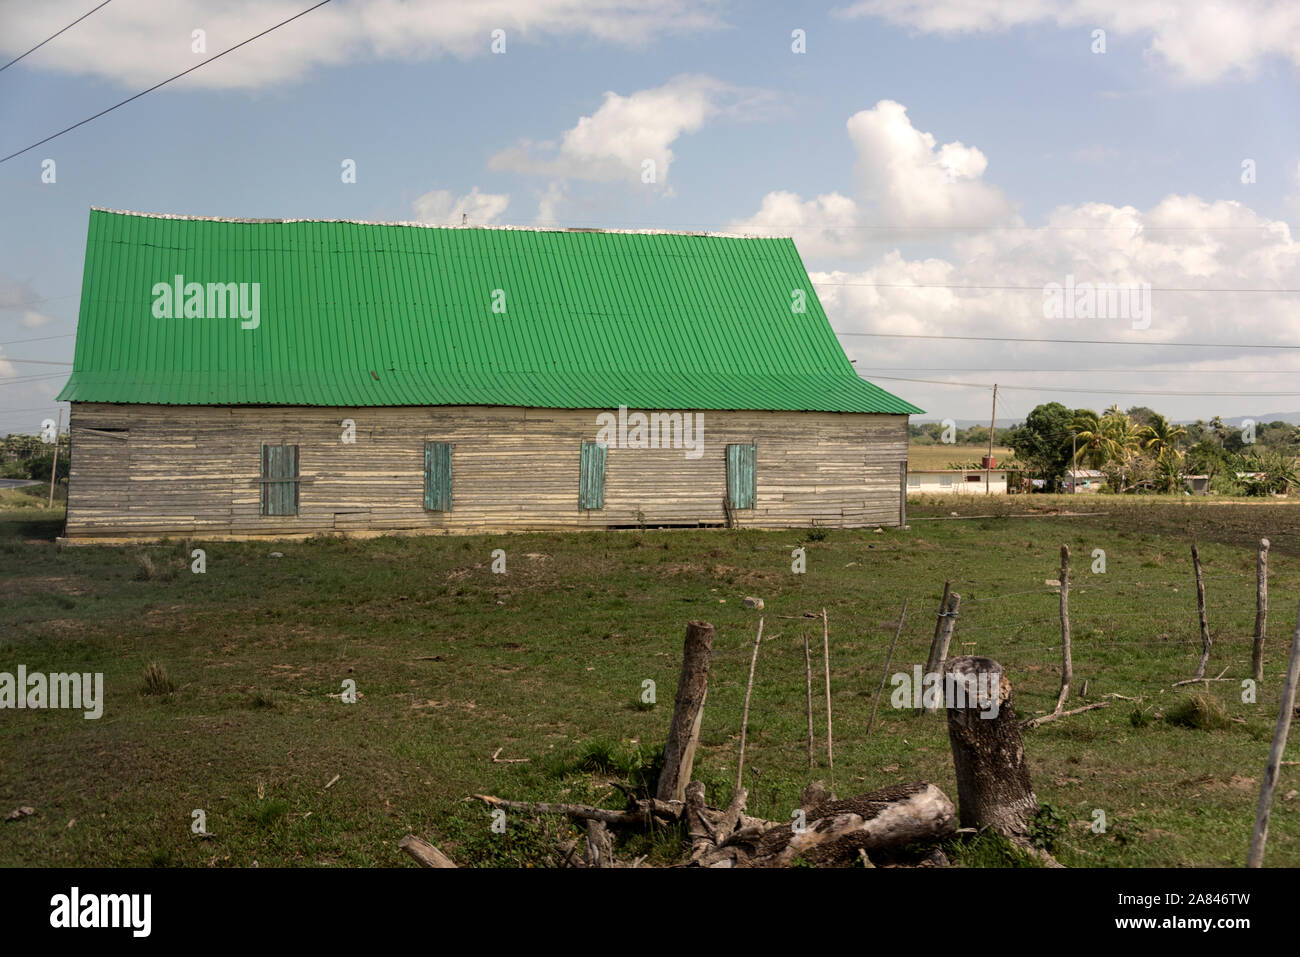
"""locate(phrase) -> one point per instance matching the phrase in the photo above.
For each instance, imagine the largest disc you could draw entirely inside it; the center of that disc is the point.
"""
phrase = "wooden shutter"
(741, 483)
(591, 476)
(279, 480)
(437, 476)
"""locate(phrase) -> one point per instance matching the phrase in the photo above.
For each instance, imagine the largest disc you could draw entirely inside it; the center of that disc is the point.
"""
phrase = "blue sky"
(982, 143)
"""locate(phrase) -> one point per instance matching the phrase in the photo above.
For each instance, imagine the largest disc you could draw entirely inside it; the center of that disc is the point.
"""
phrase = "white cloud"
(1182, 242)
(144, 41)
(903, 184)
(442, 208)
(32, 319)
(912, 184)
(548, 206)
(1200, 41)
(821, 227)
(627, 137)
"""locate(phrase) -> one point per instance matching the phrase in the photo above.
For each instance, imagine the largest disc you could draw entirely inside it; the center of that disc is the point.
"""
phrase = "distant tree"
(1143, 415)
(1042, 442)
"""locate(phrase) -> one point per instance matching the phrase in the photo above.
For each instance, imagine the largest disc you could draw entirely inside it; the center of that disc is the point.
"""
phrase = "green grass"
(451, 663)
(940, 456)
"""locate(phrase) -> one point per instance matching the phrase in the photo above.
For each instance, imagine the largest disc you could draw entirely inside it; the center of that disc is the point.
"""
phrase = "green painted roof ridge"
(505, 227)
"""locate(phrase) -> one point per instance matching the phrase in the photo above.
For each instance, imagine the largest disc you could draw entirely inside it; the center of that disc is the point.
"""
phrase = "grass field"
(547, 662)
(940, 456)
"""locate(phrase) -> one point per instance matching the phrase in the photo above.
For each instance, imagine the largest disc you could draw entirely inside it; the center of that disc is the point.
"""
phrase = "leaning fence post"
(688, 711)
(1261, 611)
(1256, 858)
(744, 721)
(931, 662)
(888, 661)
(948, 621)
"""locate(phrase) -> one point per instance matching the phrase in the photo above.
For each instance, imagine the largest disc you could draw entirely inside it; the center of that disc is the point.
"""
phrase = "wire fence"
(1020, 628)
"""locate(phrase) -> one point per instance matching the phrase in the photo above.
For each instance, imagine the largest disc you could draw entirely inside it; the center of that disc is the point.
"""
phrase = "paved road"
(18, 483)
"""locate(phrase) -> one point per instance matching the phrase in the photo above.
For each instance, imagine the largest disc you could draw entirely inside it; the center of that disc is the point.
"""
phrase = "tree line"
(1140, 450)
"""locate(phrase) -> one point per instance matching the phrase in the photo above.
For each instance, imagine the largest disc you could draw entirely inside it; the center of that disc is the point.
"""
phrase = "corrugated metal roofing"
(364, 314)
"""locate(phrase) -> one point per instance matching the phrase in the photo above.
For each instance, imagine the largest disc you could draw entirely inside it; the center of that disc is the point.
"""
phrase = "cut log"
(834, 832)
(688, 711)
(600, 845)
(993, 788)
(735, 810)
(424, 853)
(698, 826)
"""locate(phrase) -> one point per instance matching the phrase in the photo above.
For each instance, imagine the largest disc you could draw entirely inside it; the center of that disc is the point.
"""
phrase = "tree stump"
(688, 711)
(988, 754)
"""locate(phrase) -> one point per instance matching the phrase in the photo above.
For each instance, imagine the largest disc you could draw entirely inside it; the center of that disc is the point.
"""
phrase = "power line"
(14, 342)
(1088, 342)
(14, 380)
(165, 82)
(53, 35)
(969, 285)
(1048, 388)
(35, 362)
(1145, 370)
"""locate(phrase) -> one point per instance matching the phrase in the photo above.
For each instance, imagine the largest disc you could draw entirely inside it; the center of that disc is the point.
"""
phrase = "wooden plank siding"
(195, 470)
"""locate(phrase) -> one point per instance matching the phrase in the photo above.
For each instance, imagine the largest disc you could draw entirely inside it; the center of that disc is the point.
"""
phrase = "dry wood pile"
(993, 785)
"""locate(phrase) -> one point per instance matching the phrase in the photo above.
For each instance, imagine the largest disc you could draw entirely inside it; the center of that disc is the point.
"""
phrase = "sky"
(948, 169)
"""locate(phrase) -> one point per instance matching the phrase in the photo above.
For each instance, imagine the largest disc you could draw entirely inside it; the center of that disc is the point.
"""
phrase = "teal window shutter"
(437, 476)
(279, 480)
(741, 483)
(591, 477)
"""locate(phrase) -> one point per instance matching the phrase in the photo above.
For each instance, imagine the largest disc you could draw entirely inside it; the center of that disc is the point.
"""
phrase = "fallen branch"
(1196, 681)
(644, 812)
(497, 760)
(424, 853)
(1035, 722)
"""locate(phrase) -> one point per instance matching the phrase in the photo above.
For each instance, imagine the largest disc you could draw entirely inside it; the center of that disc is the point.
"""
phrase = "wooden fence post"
(1261, 611)
(888, 661)
(826, 651)
(688, 711)
(1067, 664)
(1200, 607)
(1256, 858)
(931, 661)
(807, 666)
(947, 622)
(744, 720)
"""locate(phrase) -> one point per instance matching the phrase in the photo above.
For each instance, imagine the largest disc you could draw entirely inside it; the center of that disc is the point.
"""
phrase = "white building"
(956, 481)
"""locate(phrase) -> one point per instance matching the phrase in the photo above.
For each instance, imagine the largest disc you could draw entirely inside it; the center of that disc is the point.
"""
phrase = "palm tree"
(1092, 444)
(1218, 428)
(1124, 439)
(1160, 434)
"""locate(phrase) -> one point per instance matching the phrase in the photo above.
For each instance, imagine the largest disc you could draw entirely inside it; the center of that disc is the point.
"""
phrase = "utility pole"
(54, 469)
(1074, 461)
(988, 461)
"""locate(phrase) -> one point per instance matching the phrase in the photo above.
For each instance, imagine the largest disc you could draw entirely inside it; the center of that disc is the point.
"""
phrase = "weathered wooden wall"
(194, 470)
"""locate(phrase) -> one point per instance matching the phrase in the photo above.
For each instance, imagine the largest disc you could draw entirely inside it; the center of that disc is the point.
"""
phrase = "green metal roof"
(357, 314)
